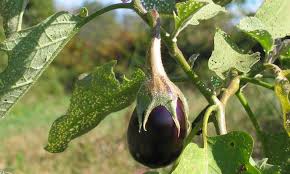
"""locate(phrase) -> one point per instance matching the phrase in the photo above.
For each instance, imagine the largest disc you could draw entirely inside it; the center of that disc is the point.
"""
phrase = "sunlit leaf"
(272, 21)
(191, 12)
(162, 6)
(275, 15)
(226, 154)
(30, 51)
(227, 56)
(12, 13)
(282, 89)
(256, 29)
(277, 150)
(94, 97)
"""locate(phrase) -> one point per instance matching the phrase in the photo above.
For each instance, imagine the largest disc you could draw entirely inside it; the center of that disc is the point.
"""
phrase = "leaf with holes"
(30, 51)
(162, 6)
(94, 97)
(275, 15)
(227, 56)
(277, 150)
(282, 89)
(193, 11)
(12, 13)
(272, 21)
(256, 29)
(226, 154)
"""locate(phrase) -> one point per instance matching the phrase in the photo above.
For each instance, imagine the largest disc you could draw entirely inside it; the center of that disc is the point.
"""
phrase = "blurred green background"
(123, 36)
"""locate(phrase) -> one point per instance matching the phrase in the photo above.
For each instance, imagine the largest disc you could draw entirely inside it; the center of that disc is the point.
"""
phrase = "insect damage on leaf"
(193, 11)
(226, 154)
(227, 56)
(95, 96)
(30, 52)
(162, 6)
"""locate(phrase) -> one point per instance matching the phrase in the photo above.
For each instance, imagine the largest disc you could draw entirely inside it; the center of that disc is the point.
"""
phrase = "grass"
(23, 134)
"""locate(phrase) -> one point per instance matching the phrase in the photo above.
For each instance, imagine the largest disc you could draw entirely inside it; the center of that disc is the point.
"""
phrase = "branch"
(233, 87)
(107, 9)
(257, 82)
(250, 113)
(207, 114)
(176, 53)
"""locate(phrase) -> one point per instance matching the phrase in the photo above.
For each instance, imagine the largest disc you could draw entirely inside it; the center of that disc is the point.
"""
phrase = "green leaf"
(272, 21)
(285, 56)
(257, 30)
(226, 154)
(275, 15)
(277, 150)
(162, 6)
(266, 168)
(222, 2)
(12, 13)
(94, 97)
(282, 90)
(30, 51)
(227, 56)
(191, 12)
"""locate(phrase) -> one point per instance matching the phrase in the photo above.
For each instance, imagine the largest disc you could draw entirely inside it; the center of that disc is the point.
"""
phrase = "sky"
(250, 5)
(73, 4)
(76, 4)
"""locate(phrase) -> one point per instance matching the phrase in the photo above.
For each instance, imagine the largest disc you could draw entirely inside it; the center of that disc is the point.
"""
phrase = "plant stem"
(205, 123)
(171, 45)
(258, 82)
(176, 53)
(250, 113)
(107, 9)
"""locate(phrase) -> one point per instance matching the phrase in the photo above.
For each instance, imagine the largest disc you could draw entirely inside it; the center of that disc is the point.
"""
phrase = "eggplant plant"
(159, 132)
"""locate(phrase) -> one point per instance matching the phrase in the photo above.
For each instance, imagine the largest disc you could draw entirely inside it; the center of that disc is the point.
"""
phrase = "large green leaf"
(191, 12)
(272, 21)
(30, 51)
(226, 154)
(226, 56)
(277, 150)
(275, 15)
(12, 13)
(94, 97)
(162, 6)
(282, 89)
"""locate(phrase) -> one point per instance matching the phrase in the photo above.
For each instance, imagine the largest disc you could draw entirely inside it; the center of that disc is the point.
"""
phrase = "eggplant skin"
(160, 145)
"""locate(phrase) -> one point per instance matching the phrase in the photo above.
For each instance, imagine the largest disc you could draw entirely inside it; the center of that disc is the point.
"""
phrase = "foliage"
(30, 52)
(226, 56)
(96, 95)
(100, 94)
(226, 154)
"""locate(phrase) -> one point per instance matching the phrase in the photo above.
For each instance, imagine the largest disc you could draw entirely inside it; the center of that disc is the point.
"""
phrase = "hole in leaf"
(232, 144)
(242, 168)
